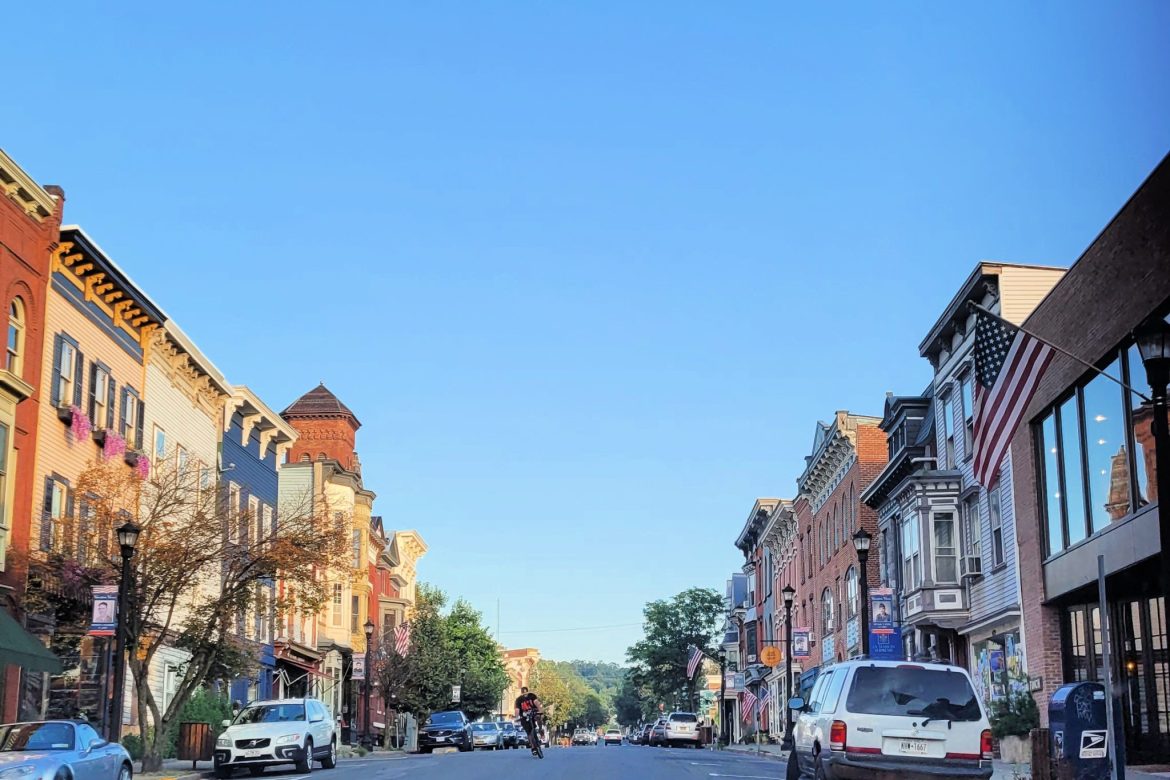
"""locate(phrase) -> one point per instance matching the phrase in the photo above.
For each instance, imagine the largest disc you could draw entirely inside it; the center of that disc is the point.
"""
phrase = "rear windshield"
(683, 717)
(936, 694)
(483, 726)
(443, 718)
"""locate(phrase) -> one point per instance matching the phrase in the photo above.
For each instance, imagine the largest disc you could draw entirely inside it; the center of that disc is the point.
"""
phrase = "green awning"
(20, 648)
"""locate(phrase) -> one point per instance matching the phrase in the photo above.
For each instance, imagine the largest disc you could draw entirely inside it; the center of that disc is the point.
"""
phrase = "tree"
(671, 627)
(630, 702)
(200, 569)
(477, 661)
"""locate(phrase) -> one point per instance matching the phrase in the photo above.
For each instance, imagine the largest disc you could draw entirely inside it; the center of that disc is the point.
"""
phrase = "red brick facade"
(326, 428)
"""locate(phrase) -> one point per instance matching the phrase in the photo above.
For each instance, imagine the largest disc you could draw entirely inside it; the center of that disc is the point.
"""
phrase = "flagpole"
(1061, 350)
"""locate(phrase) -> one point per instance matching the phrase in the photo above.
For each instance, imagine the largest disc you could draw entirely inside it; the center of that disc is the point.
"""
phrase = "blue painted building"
(254, 443)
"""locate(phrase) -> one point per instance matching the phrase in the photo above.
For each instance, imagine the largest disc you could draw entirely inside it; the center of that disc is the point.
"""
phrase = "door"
(805, 730)
(94, 761)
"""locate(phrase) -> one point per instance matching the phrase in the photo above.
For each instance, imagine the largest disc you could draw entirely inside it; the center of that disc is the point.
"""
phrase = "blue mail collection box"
(1079, 736)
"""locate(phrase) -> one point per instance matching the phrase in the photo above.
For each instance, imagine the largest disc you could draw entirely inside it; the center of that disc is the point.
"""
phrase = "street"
(581, 763)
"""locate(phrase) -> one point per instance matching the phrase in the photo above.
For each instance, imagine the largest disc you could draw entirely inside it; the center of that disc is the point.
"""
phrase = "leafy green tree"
(629, 702)
(476, 661)
(671, 626)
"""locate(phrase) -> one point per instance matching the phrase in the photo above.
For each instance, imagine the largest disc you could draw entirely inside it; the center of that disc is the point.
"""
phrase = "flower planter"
(131, 458)
(65, 414)
(1016, 750)
(99, 436)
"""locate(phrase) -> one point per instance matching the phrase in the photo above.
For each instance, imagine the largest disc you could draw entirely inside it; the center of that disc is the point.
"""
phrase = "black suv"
(445, 729)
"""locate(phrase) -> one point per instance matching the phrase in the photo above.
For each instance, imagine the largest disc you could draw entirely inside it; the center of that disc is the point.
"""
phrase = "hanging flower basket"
(131, 458)
(80, 425)
(143, 466)
(112, 443)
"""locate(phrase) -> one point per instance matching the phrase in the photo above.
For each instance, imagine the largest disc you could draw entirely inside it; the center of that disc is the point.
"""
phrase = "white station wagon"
(869, 719)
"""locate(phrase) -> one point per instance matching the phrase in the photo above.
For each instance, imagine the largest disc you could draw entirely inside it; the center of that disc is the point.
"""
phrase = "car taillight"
(837, 735)
(985, 745)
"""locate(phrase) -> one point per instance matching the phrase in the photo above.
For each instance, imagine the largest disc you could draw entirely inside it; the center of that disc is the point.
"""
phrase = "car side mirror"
(796, 703)
(225, 722)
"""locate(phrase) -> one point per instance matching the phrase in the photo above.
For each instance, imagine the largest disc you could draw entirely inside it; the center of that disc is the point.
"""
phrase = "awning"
(20, 648)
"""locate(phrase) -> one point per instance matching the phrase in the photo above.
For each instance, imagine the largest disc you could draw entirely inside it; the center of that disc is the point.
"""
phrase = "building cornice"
(23, 190)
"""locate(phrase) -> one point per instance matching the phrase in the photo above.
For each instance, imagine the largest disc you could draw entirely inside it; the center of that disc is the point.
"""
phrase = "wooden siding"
(1022, 288)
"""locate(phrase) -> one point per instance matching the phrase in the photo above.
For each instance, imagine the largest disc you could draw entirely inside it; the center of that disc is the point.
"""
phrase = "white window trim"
(935, 513)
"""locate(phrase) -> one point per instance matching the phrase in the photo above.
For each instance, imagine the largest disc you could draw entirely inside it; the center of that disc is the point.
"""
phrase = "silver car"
(487, 736)
(60, 750)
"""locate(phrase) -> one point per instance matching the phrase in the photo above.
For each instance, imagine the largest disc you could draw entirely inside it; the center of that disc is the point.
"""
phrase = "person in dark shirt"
(528, 707)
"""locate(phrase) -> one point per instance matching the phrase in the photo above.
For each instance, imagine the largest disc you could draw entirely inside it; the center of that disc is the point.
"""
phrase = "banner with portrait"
(104, 617)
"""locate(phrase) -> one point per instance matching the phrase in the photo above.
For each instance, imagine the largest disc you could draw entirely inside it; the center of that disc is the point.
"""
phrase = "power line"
(561, 630)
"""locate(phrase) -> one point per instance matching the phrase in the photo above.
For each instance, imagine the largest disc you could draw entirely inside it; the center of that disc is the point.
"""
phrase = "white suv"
(870, 719)
(682, 728)
(287, 731)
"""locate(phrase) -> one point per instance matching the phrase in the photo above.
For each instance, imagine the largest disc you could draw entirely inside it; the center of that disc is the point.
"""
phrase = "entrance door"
(1144, 671)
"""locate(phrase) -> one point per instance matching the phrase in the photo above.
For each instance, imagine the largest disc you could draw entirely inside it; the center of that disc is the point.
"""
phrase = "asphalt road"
(634, 762)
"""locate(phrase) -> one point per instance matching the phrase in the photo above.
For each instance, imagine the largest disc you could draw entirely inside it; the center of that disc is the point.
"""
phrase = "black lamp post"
(369, 627)
(1153, 342)
(861, 541)
(722, 696)
(789, 593)
(127, 540)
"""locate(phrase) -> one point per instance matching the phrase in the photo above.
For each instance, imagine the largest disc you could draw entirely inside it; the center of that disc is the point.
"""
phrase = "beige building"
(519, 664)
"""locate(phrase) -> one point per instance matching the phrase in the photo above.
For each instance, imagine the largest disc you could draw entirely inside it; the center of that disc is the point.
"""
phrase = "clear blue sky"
(588, 272)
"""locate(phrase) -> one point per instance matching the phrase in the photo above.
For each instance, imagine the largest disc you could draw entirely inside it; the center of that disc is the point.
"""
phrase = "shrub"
(1014, 715)
(204, 706)
(133, 745)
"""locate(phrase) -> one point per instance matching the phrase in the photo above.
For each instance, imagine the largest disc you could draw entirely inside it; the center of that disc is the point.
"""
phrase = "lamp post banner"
(800, 643)
(359, 664)
(885, 635)
(104, 621)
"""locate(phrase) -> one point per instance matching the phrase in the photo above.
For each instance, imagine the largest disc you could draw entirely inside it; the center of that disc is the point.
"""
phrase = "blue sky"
(587, 272)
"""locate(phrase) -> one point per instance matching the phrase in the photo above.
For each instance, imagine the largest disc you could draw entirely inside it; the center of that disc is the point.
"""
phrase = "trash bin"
(196, 742)
(705, 735)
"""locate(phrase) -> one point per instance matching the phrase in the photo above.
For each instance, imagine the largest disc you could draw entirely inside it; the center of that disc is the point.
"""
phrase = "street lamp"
(127, 540)
(369, 627)
(789, 594)
(861, 541)
(1153, 342)
(722, 697)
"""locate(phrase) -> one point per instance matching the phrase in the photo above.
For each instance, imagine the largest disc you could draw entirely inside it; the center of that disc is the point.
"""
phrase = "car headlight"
(288, 739)
(223, 742)
(17, 772)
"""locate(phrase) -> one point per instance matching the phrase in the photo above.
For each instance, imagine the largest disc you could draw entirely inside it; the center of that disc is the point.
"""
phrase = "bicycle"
(532, 726)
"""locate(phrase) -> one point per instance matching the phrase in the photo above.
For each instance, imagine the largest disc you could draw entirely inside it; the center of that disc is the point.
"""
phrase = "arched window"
(827, 611)
(14, 350)
(851, 604)
(320, 456)
(305, 457)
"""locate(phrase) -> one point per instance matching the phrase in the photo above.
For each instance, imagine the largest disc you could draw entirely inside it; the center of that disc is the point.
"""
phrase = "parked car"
(274, 732)
(487, 736)
(613, 736)
(44, 750)
(581, 737)
(633, 735)
(890, 718)
(682, 729)
(521, 736)
(658, 733)
(449, 728)
(511, 733)
(644, 736)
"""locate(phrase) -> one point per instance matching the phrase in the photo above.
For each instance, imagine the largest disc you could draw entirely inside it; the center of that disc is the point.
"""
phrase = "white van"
(869, 719)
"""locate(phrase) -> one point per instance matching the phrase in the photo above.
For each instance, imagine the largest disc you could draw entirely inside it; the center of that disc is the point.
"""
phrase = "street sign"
(456, 693)
(771, 655)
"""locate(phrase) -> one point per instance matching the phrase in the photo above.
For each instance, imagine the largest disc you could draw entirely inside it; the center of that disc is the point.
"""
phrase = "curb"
(751, 751)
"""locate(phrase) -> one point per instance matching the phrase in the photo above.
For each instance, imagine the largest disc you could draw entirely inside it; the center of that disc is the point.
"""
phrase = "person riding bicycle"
(528, 709)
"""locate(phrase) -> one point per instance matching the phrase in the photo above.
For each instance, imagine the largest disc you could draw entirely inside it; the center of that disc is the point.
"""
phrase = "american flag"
(1008, 367)
(402, 639)
(747, 705)
(693, 663)
(764, 697)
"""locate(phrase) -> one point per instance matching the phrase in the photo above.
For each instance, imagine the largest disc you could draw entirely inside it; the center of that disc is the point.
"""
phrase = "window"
(84, 530)
(101, 396)
(65, 371)
(946, 565)
(1143, 452)
(305, 457)
(911, 691)
(335, 617)
(15, 348)
(1071, 461)
(948, 421)
(972, 528)
(1050, 472)
(53, 516)
(827, 611)
(267, 529)
(994, 513)
(130, 418)
(233, 519)
(1106, 450)
(160, 444)
(911, 561)
(851, 592)
(354, 614)
(182, 459)
(254, 521)
(832, 692)
(4, 524)
(357, 548)
(817, 695)
(966, 399)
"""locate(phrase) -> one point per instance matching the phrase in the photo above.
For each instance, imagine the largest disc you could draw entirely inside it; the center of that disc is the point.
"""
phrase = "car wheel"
(256, 770)
(793, 772)
(330, 761)
(818, 769)
(126, 772)
(305, 765)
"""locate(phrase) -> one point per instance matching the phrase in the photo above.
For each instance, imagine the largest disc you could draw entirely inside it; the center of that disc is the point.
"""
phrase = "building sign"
(456, 693)
(739, 681)
(1094, 744)
(828, 648)
(359, 665)
(800, 643)
(771, 655)
(104, 621)
(885, 635)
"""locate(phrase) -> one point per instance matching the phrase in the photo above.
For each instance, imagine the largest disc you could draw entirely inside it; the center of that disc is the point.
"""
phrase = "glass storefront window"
(1108, 459)
(1074, 485)
(1052, 483)
(1143, 437)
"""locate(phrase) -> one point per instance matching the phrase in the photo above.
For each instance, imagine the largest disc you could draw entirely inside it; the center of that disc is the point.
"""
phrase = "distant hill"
(605, 678)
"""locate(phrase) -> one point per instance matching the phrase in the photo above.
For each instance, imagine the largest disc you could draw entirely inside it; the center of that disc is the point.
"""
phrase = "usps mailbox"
(1080, 739)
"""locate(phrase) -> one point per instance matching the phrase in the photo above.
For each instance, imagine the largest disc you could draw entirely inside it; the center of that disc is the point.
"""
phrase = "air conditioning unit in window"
(812, 637)
(972, 566)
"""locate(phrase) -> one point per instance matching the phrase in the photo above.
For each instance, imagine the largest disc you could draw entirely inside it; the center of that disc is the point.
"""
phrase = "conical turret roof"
(320, 402)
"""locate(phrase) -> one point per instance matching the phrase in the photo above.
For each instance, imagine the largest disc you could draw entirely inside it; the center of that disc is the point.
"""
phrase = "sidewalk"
(1003, 770)
(181, 770)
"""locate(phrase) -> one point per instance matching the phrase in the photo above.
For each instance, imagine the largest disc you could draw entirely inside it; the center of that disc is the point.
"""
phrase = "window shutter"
(122, 413)
(47, 514)
(69, 532)
(55, 384)
(109, 403)
(78, 375)
(141, 416)
(93, 369)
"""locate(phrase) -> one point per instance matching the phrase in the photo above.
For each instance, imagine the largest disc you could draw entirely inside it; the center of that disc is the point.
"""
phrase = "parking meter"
(1079, 738)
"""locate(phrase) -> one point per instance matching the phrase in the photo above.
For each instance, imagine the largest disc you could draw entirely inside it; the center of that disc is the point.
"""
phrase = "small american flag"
(693, 663)
(402, 639)
(747, 705)
(1008, 367)
(764, 697)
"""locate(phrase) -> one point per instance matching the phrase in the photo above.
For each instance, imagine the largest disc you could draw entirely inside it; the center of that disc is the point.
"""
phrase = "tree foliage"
(631, 703)
(569, 700)
(199, 572)
(659, 659)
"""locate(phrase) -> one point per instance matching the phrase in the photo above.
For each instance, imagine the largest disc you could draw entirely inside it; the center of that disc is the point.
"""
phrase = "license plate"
(440, 739)
(914, 747)
(253, 753)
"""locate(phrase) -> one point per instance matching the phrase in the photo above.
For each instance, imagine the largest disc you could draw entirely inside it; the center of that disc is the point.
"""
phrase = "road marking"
(760, 777)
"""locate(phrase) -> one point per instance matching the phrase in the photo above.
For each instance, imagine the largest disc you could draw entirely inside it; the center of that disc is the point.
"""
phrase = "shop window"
(1145, 473)
(1071, 466)
(1106, 450)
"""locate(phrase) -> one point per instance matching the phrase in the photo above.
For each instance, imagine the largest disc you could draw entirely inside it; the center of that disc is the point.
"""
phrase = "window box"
(99, 436)
(131, 457)
(65, 414)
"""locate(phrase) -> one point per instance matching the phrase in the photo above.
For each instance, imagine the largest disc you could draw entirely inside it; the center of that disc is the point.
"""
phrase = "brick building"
(758, 618)
(847, 454)
(1084, 477)
(30, 218)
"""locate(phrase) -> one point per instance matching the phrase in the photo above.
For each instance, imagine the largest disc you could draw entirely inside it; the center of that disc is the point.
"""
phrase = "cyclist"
(528, 708)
